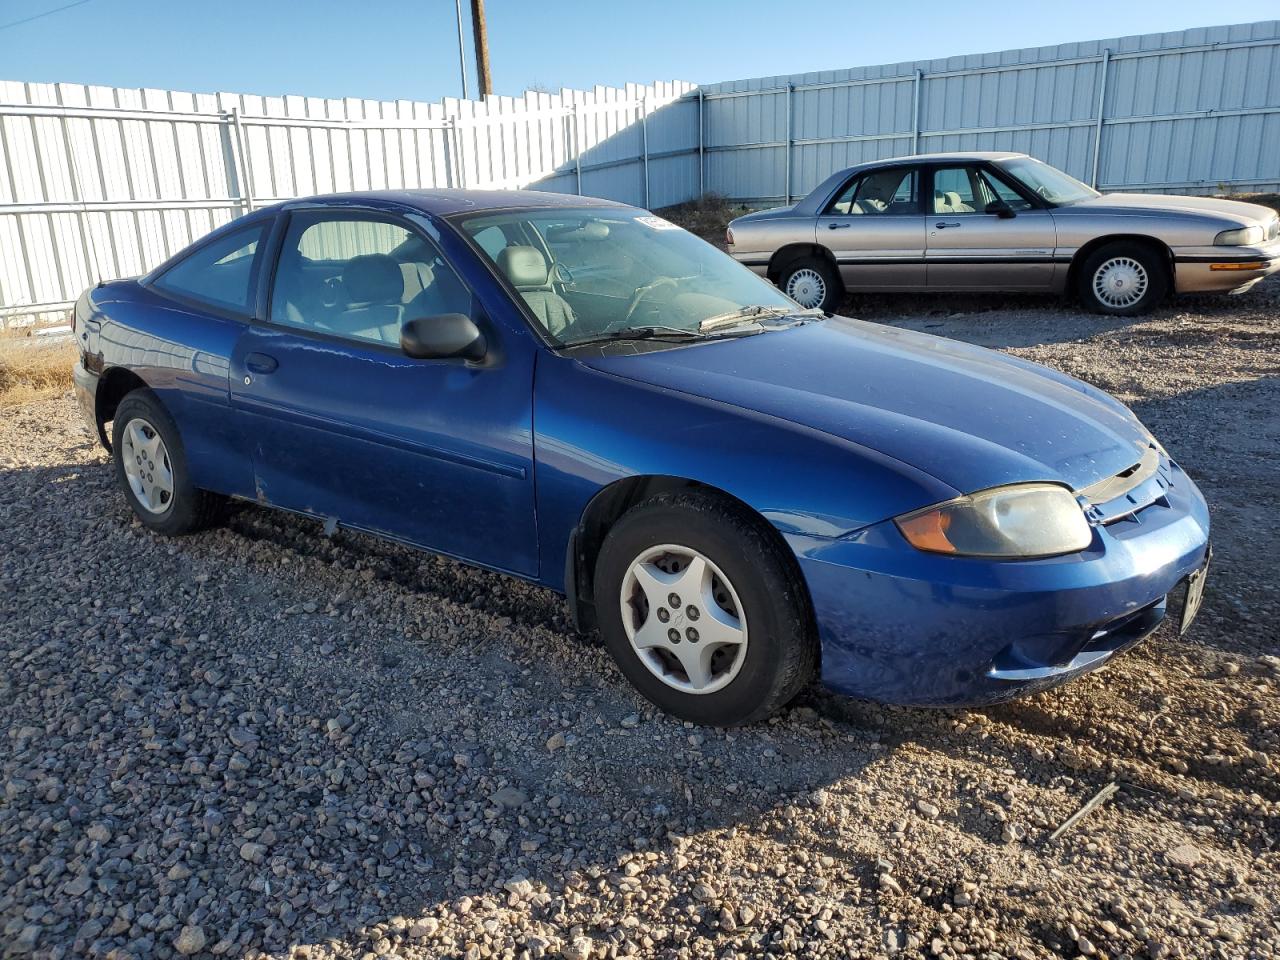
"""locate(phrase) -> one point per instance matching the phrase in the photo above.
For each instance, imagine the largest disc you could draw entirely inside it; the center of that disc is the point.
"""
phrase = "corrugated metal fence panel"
(1195, 111)
(100, 182)
(104, 182)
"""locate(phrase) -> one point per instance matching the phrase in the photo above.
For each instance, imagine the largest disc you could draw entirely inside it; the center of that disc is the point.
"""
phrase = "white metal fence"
(105, 182)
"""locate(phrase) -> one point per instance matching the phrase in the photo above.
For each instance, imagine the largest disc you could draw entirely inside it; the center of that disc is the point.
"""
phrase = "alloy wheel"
(147, 466)
(684, 619)
(1120, 282)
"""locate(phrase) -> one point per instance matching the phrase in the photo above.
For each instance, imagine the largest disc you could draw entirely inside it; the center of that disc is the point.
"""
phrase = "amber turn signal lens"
(1251, 265)
(928, 531)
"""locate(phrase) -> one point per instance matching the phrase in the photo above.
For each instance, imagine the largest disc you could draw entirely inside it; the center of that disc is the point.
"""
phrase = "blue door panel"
(435, 453)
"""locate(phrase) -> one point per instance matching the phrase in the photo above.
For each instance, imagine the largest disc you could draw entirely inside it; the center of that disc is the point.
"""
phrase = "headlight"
(1026, 520)
(1241, 237)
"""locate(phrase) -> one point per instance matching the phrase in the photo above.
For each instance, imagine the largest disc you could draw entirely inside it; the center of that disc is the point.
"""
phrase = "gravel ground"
(259, 741)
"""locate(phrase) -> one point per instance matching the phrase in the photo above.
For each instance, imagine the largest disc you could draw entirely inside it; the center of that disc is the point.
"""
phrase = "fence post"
(242, 161)
(1097, 130)
(644, 144)
(577, 147)
(915, 112)
(787, 170)
(702, 136)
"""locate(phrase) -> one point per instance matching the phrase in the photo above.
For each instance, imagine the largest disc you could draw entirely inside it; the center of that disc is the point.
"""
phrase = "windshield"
(598, 273)
(1054, 185)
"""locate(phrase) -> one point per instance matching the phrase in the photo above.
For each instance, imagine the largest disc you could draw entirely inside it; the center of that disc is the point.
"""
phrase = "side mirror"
(1001, 209)
(443, 337)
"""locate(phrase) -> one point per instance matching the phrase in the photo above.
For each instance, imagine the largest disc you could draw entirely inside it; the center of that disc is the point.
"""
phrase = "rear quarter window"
(220, 273)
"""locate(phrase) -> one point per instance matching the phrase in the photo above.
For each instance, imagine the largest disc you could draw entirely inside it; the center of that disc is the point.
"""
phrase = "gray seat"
(374, 286)
(526, 268)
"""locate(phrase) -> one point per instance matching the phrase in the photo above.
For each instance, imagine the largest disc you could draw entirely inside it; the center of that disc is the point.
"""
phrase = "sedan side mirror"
(1001, 209)
(442, 337)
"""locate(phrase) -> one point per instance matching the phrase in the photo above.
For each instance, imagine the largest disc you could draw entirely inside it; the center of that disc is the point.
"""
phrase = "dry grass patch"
(32, 368)
(706, 217)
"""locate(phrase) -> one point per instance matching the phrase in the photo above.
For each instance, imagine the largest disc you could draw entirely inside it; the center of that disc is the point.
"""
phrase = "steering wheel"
(640, 295)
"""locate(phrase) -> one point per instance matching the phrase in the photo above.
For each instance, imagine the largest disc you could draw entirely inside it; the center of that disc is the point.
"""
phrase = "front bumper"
(902, 626)
(1224, 269)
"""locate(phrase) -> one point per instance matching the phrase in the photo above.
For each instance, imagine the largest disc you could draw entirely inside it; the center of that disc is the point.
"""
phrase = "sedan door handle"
(943, 224)
(261, 363)
(838, 226)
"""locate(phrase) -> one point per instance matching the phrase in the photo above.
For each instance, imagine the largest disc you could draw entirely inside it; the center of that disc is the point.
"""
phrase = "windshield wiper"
(755, 312)
(646, 332)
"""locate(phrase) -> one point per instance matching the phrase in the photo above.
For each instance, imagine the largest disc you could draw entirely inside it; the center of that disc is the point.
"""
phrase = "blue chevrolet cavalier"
(738, 493)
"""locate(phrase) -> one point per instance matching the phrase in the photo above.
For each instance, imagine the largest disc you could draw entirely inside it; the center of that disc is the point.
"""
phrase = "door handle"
(837, 226)
(261, 363)
(943, 224)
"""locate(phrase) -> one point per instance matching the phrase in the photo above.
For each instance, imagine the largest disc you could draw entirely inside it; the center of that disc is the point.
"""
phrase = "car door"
(984, 235)
(343, 425)
(875, 229)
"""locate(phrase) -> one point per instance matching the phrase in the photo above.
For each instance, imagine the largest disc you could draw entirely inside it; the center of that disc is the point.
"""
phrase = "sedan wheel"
(811, 282)
(806, 287)
(1123, 278)
(704, 610)
(1120, 282)
(684, 619)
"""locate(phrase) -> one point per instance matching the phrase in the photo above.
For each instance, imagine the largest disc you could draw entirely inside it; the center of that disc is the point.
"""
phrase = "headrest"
(523, 266)
(373, 278)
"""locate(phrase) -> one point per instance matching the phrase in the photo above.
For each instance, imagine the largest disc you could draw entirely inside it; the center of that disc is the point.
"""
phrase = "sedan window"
(219, 273)
(878, 192)
(361, 278)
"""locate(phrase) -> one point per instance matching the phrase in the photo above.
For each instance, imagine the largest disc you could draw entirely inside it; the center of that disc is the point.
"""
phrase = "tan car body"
(1032, 250)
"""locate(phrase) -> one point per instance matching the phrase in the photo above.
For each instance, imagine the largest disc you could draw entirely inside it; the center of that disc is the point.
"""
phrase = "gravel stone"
(254, 732)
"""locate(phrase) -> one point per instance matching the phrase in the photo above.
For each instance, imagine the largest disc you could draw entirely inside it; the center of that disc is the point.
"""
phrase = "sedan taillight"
(728, 236)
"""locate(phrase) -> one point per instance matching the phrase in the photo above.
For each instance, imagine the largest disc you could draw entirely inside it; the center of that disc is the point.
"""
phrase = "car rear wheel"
(701, 612)
(812, 283)
(1123, 279)
(151, 468)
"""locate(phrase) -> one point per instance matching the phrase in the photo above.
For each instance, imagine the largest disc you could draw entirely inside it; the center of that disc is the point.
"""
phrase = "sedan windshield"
(1050, 183)
(592, 274)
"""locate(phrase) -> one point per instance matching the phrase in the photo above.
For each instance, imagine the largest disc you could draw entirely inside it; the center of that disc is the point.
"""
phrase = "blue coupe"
(738, 493)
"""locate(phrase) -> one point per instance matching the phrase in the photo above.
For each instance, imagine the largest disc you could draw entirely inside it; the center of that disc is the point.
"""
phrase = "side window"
(220, 273)
(953, 191)
(993, 188)
(361, 278)
(491, 241)
(878, 192)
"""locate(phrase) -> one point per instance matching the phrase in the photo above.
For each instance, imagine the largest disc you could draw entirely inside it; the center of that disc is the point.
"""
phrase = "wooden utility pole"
(482, 47)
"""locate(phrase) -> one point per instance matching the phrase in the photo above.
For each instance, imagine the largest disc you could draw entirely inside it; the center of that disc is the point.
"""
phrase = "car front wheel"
(701, 611)
(151, 468)
(1123, 279)
(812, 283)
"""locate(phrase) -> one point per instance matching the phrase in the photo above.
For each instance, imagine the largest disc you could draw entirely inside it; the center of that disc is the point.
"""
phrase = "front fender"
(592, 429)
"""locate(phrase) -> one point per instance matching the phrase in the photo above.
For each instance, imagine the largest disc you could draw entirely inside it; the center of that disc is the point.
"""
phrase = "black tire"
(188, 508)
(1152, 264)
(782, 649)
(832, 287)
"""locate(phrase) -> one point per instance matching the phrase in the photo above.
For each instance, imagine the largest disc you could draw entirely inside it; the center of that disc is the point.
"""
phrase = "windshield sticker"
(656, 223)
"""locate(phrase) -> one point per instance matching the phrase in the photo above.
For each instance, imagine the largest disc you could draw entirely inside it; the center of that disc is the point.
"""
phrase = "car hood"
(970, 417)
(1234, 210)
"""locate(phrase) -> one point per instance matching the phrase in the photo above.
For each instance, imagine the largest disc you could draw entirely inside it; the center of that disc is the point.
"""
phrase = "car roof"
(446, 202)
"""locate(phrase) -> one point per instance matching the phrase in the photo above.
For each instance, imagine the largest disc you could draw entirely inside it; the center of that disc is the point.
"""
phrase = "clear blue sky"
(407, 49)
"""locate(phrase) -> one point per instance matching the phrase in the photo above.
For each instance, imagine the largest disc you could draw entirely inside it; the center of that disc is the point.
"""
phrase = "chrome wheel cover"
(806, 287)
(684, 619)
(147, 466)
(1120, 282)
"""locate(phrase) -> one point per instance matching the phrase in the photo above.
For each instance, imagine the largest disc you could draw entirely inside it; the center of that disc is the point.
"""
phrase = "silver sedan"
(1002, 222)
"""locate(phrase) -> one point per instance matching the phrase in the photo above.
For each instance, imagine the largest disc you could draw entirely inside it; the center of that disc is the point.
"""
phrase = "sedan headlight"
(1025, 520)
(1241, 237)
